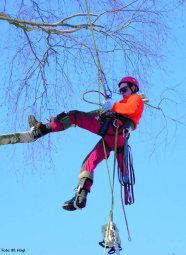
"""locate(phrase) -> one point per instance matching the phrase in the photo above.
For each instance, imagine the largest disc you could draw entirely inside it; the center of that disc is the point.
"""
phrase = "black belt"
(107, 120)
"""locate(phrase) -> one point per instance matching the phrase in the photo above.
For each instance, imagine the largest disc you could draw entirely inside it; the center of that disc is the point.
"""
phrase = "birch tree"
(49, 47)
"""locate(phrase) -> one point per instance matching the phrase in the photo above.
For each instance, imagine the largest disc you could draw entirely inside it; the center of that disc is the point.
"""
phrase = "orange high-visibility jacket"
(130, 107)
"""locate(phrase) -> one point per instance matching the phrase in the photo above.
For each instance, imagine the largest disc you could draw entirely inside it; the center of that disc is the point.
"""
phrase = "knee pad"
(64, 119)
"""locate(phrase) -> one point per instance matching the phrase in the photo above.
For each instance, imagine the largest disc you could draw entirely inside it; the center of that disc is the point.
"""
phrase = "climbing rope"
(104, 88)
(100, 71)
(106, 96)
(125, 216)
(116, 124)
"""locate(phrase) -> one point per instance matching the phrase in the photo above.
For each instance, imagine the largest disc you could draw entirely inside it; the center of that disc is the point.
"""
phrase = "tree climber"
(126, 113)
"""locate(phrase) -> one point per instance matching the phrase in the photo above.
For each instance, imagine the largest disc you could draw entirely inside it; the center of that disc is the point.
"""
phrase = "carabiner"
(116, 123)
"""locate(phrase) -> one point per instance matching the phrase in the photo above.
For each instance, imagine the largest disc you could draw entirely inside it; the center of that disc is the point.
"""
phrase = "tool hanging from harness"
(112, 239)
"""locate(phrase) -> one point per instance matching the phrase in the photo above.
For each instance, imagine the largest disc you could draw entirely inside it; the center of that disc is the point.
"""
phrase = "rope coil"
(92, 91)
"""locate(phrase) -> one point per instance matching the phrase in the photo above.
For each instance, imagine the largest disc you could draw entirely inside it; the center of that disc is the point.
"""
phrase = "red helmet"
(131, 80)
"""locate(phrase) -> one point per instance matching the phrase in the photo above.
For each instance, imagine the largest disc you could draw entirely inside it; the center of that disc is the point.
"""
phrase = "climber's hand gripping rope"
(106, 106)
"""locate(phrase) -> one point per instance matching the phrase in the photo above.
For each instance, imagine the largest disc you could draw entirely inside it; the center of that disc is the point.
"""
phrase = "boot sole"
(68, 207)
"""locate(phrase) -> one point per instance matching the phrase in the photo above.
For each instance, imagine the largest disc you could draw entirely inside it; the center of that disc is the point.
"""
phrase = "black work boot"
(77, 202)
(38, 129)
(80, 198)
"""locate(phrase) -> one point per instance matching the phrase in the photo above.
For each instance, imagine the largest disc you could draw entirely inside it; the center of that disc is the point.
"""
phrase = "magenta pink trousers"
(91, 122)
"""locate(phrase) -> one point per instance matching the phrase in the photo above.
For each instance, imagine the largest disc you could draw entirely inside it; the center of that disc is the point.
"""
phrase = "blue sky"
(33, 191)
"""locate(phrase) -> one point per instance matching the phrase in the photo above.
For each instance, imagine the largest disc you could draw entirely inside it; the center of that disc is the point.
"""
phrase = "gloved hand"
(107, 106)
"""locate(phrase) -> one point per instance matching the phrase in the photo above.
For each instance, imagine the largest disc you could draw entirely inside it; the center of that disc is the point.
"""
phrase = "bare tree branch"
(58, 42)
(33, 25)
